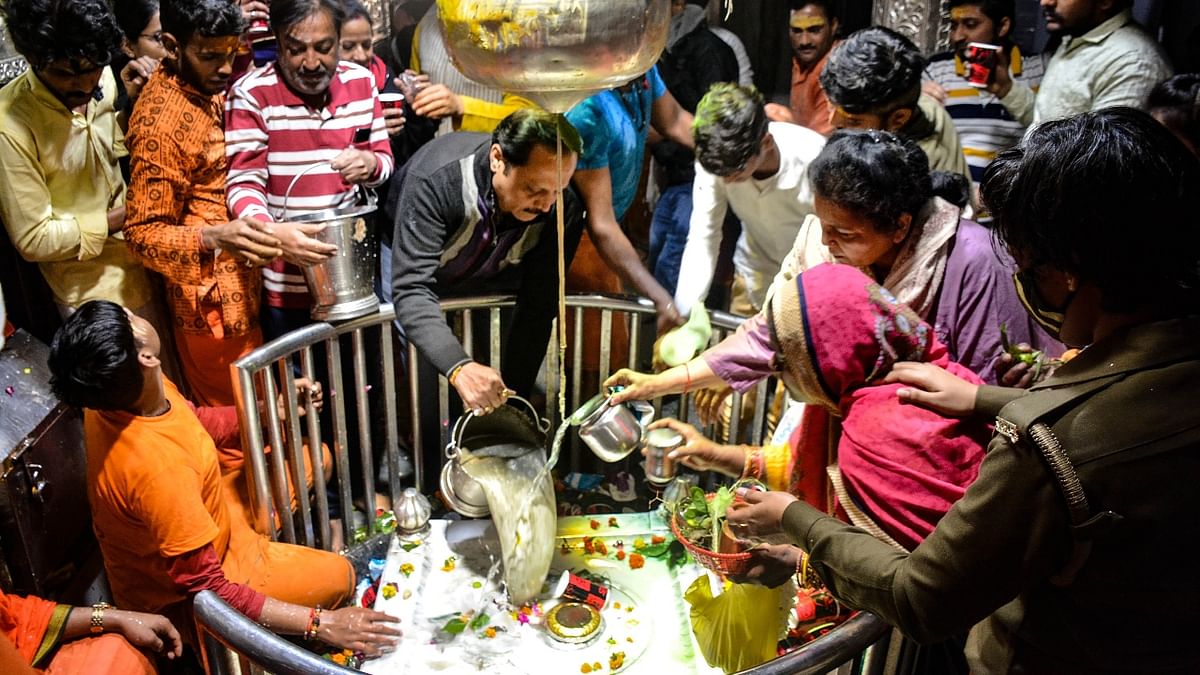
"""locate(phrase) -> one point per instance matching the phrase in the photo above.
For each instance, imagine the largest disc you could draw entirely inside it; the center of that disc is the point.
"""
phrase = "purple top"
(977, 295)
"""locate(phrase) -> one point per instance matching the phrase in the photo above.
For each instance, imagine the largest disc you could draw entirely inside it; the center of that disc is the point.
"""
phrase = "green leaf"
(454, 626)
(479, 621)
(716, 509)
(677, 555)
(408, 546)
(655, 550)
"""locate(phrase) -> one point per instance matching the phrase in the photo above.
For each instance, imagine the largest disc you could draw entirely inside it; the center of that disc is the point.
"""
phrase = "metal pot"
(612, 431)
(554, 52)
(506, 432)
(343, 286)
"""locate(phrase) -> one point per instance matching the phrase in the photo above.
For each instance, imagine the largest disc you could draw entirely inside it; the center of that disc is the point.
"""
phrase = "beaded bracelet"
(314, 622)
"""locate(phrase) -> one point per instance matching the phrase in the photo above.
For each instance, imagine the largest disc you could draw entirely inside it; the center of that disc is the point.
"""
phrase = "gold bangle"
(98, 617)
(454, 373)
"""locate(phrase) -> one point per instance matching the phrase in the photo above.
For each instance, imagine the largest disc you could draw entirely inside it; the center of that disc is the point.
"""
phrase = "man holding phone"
(1104, 60)
(303, 109)
(984, 125)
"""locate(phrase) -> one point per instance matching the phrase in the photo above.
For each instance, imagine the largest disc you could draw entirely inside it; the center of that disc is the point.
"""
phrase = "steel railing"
(359, 355)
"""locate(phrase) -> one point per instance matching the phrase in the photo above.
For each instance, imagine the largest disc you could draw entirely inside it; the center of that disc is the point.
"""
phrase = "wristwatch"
(98, 617)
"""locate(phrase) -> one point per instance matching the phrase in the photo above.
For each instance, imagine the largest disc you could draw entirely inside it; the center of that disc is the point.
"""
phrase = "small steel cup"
(660, 468)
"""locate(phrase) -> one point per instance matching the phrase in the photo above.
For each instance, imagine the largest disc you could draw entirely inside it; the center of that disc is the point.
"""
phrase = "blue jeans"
(669, 233)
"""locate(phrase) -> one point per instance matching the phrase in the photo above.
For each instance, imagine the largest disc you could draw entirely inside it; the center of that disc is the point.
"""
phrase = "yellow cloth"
(59, 181)
(481, 115)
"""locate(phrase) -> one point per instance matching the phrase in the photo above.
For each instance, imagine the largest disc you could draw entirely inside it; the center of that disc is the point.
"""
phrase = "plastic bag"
(741, 627)
(681, 344)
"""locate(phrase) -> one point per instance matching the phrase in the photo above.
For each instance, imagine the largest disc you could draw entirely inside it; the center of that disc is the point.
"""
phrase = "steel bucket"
(506, 433)
(342, 287)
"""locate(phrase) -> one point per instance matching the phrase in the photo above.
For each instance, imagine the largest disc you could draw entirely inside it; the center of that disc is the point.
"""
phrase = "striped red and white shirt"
(271, 136)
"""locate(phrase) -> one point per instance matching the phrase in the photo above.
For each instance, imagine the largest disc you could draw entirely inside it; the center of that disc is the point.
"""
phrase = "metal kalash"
(343, 286)
(507, 433)
(554, 52)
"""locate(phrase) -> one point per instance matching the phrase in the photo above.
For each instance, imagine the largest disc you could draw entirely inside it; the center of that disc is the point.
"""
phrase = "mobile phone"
(361, 135)
(981, 61)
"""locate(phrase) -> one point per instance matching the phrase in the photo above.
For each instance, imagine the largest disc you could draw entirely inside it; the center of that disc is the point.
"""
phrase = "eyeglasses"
(156, 36)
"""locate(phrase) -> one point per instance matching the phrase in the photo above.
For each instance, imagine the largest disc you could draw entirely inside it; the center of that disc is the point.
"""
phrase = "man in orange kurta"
(812, 28)
(37, 633)
(176, 218)
(158, 504)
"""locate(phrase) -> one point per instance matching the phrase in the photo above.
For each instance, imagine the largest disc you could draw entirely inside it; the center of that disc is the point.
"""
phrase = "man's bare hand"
(668, 316)
(299, 247)
(771, 565)
(359, 629)
(758, 514)
(254, 10)
(780, 113)
(934, 90)
(393, 119)
(437, 101)
(246, 239)
(136, 73)
(152, 632)
(309, 395)
(1002, 81)
(355, 165)
(933, 387)
(116, 219)
(481, 388)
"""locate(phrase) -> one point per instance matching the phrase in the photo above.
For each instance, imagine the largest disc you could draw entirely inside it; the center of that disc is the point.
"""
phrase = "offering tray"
(450, 580)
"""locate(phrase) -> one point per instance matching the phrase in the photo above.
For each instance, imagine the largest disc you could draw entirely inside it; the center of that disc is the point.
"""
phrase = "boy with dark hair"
(62, 196)
(158, 503)
(873, 80)
(759, 170)
(177, 220)
(984, 125)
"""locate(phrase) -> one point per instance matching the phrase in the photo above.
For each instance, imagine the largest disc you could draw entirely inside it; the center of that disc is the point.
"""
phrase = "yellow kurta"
(60, 178)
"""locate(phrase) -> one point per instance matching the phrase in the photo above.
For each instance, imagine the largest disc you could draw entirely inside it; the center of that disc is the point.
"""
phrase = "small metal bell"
(412, 513)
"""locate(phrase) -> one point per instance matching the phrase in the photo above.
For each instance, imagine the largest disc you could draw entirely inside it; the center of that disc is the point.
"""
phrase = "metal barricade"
(271, 370)
(268, 374)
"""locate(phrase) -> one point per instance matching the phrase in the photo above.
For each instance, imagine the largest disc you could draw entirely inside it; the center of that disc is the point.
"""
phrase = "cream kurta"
(60, 178)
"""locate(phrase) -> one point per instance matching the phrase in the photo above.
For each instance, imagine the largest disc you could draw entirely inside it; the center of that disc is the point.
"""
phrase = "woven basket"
(730, 564)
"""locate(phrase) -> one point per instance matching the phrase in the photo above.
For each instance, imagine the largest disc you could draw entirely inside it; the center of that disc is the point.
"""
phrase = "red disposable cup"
(981, 59)
(574, 587)
(392, 100)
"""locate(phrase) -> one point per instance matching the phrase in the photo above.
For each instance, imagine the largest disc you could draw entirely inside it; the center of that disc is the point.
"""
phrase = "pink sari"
(837, 334)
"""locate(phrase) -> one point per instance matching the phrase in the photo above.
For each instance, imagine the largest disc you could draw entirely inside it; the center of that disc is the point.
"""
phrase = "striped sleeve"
(381, 144)
(246, 150)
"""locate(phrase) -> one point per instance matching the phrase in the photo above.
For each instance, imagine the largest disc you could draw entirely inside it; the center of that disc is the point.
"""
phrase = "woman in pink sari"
(832, 336)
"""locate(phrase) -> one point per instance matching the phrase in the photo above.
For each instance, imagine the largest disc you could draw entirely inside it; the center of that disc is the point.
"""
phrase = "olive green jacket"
(1134, 605)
